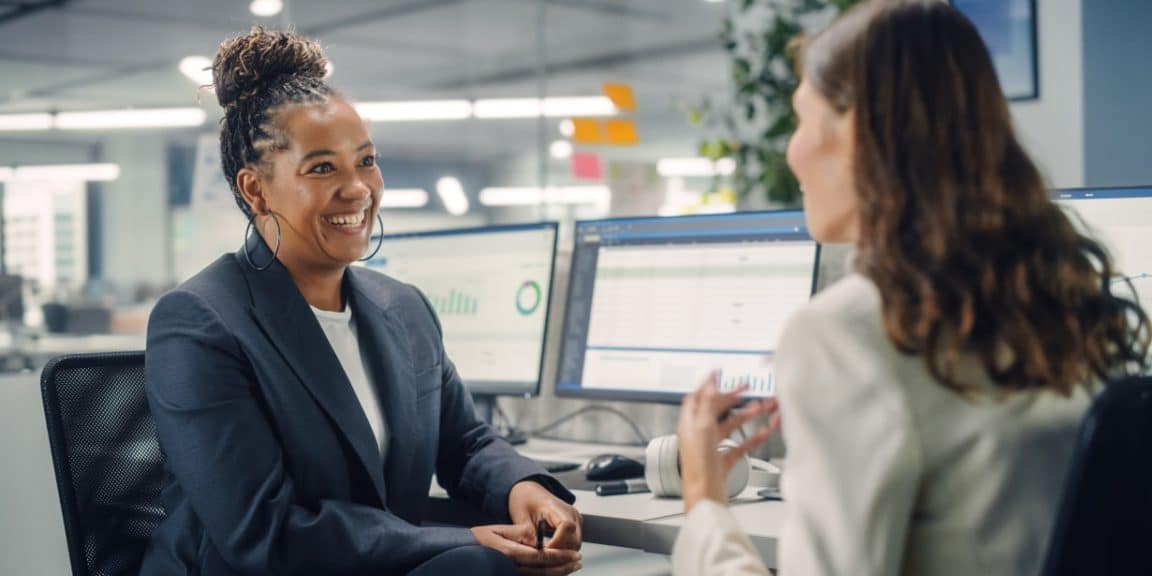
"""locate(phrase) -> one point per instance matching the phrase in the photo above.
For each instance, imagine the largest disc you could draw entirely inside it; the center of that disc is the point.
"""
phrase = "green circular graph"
(528, 297)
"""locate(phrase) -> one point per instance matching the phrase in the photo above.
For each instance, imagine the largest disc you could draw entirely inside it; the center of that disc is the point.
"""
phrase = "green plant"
(756, 126)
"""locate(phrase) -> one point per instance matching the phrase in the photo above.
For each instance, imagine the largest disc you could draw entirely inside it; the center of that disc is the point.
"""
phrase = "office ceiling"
(98, 54)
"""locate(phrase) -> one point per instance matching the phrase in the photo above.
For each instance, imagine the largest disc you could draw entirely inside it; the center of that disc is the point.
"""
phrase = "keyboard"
(557, 467)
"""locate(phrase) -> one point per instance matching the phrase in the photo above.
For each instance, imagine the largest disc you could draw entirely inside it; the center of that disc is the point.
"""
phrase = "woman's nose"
(356, 188)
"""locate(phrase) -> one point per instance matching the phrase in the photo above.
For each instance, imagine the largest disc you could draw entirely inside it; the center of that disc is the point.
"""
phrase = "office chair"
(1105, 518)
(108, 463)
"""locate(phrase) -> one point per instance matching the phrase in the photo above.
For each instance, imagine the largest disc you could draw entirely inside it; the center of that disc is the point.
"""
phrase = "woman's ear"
(248, 183)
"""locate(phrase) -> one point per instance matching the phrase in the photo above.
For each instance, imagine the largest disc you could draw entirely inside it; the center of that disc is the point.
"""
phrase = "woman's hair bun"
(250, 63)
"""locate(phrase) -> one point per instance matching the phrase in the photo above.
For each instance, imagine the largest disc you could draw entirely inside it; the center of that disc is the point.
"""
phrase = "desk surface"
(761, 520)
(640, 521)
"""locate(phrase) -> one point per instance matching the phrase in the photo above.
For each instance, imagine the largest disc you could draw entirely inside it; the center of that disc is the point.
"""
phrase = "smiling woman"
(279, 376)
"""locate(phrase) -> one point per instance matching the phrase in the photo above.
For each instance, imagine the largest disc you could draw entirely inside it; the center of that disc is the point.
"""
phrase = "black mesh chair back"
(1104, 525)
(107, 460)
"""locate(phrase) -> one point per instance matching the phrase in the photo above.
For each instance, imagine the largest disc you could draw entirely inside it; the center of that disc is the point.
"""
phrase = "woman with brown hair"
(931, 398)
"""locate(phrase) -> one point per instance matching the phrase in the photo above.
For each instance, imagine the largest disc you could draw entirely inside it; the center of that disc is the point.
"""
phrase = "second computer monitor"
(656, 304)
(490, 288)
(1121, 219)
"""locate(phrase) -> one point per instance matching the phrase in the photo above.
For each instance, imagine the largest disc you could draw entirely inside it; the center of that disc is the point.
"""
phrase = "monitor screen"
(656, 304)
(490, 288)
(1120, 218)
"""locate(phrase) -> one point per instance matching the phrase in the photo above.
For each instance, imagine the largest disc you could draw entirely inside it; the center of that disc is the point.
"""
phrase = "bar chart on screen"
(759, 383)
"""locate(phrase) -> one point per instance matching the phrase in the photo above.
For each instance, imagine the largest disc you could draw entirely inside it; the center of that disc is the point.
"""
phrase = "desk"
(762, 521)
(640, 521)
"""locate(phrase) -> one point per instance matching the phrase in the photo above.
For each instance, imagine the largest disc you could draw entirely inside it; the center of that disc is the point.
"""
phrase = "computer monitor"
(490, 288)
(1120, 218)
(656, 304)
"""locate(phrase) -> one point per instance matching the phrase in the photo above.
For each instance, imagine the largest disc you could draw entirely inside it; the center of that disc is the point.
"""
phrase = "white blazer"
(888, 472)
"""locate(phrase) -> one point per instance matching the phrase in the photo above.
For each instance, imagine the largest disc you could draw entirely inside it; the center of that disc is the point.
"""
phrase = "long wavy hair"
(957, 229)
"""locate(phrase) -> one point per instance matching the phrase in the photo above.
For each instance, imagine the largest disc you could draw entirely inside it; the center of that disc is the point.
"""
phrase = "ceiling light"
(550, 107)
(266, 8)
(25, 122)
(404, 198)
(530, 196)
(197, 68)
(694, 167)
(451, 193)
(61, 173)
(328, 70)
(567, 128)
(415, 110)
(109, 119)
(579, 106)
(509, 108)
(560, 149)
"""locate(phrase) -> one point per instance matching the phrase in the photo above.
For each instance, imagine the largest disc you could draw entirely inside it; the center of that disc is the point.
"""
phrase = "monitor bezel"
(498, 388)
(1056, 193)
(632, 395)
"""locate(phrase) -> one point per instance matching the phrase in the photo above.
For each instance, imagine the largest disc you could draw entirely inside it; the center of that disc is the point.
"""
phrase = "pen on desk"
(630, 486)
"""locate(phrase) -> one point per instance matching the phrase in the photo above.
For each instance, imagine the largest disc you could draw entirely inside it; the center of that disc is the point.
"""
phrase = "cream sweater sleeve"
(712, 544)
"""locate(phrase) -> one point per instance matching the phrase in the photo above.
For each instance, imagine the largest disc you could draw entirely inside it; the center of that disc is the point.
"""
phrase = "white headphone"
(662, 468)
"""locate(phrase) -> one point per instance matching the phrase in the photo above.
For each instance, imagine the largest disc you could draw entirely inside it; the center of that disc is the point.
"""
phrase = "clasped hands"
(529, 504)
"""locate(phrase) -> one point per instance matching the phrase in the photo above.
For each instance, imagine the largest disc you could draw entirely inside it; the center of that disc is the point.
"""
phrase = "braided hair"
(255, 74)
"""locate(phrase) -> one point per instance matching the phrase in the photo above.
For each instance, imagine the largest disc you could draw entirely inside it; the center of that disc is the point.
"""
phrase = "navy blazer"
(271, 465)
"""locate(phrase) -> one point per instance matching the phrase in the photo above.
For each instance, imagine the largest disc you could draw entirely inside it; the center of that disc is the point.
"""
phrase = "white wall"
(1053, 126)
(134, 213)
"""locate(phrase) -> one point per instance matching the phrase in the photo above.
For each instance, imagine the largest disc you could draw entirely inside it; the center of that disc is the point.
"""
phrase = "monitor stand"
(486, 409)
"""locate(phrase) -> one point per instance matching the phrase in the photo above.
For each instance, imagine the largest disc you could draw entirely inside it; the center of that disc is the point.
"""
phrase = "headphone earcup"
(737, 479)
(662, 468)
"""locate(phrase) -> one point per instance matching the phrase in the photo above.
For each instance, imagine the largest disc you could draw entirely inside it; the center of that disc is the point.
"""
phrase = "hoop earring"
(379, 242)
(248, 256)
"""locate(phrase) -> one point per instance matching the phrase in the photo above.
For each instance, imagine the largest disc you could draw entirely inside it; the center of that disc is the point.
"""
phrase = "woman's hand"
(529, 505)
(518, 542)
(703, 469)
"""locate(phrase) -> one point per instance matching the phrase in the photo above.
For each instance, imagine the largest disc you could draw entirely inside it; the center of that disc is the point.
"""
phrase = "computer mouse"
(613, 467)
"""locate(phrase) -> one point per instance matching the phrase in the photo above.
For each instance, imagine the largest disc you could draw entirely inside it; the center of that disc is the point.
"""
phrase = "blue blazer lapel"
(384, 344)
(287, 321)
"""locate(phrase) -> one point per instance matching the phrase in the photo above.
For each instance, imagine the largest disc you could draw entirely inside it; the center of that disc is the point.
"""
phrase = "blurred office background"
(97, 221)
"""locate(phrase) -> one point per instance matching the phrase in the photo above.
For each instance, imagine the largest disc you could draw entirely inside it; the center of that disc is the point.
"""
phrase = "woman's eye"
(323, 168)
(368, 161)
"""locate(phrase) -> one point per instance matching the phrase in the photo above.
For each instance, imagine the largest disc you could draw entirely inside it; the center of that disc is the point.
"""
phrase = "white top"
(888, 472)
(340, 329)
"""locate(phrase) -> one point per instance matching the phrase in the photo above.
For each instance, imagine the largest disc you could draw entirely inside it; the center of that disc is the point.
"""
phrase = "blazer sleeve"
(853, 466)
(711, 543)
(228, 462)
(473, 462)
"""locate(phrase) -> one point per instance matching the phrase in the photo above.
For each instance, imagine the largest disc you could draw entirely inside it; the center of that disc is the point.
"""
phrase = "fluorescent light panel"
(586, 106)
(13, 122)
(61, 173)
(144, 118)
(451, 193)
(531, 196)
(401, 111)
(404, 198)
(197, 69)
(415, 110)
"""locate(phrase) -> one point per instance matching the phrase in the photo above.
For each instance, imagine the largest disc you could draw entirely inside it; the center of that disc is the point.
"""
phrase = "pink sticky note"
(586, 166)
